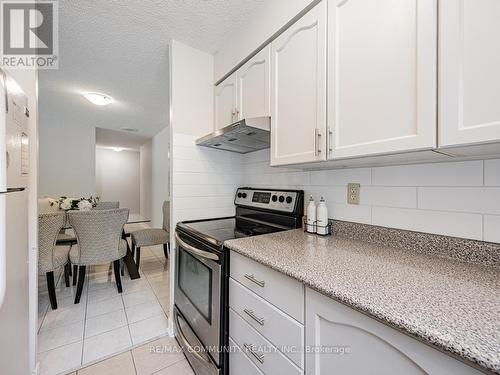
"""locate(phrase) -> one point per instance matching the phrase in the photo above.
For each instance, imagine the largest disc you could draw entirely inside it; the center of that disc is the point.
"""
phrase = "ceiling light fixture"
(117, 149)
(98, 99)
(130, 130)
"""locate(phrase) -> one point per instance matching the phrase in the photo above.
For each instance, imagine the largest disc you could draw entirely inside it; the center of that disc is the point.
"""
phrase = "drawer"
(282, 291)
(239, 363)
(280, 329)
(260, 351)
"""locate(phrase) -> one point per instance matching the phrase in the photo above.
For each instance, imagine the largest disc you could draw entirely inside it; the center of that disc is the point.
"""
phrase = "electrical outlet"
(353, 193)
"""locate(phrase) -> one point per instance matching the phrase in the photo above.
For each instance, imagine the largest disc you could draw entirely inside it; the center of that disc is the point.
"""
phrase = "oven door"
(198, 290)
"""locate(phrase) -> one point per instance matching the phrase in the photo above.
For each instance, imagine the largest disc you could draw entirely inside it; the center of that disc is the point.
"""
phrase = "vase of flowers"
(81, 204)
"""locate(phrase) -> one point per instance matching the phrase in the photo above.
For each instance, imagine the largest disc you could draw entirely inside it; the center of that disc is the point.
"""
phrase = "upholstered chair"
(107, 205)
(99, 240)
(50, 256)
(152, 236)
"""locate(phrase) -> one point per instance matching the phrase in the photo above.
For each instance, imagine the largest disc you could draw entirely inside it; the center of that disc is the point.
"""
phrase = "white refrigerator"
(14, 169)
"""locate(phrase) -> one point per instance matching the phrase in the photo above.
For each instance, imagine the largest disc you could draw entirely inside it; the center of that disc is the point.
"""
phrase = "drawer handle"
(254, 280)
(257, 356)
(252, 315)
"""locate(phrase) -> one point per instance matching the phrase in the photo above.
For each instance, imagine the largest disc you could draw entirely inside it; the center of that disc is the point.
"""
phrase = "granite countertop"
(447, 303)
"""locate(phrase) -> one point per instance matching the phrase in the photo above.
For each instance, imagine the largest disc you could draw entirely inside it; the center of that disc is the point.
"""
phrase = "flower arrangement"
(82, 204)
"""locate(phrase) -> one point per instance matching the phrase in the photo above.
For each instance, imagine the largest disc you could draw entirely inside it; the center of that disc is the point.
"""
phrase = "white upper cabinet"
(225, 98)
(469, 72)
(298, 91)
(381, 76)
(254, 86)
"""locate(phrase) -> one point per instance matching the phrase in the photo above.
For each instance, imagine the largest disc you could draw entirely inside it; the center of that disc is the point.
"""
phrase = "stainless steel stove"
(202, 270)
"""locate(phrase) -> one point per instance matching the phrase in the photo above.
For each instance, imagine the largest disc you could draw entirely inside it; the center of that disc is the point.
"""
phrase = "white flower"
(84, 205)
(66, 204)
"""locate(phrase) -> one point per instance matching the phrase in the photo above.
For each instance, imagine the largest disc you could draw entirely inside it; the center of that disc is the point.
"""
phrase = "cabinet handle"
(257, 356)
(252, 315)
(330, 140)
(317, 135)
(254, 280)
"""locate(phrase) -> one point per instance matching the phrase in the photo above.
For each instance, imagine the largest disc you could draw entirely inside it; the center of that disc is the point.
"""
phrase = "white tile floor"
(160, 357)
(105, 322)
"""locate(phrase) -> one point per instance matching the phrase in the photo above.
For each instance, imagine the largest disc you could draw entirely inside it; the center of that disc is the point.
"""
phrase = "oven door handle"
(193, 250)
(185, 342)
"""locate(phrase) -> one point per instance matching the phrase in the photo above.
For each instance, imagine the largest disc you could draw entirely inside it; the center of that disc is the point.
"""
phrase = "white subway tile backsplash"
(492, 228)
(347, 212)
(468, 173)
(332, 194)
(341, 177)
(204, 180)
(189, 178)
(186, 203)
(441, 198)
(437, 222)
(204, 190)
(483, 200)
(404, 197)
(492, 172)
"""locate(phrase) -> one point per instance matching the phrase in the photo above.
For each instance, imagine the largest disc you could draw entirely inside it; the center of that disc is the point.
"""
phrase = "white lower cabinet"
(258, 349)
(373, 348)
(239, 363)
(282, 330)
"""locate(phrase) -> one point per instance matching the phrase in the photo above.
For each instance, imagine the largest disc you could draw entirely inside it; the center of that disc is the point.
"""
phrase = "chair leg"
(67, 270)
(138, 257)
(118, 279)
(75, 274)
(166, 250)
(70, 269)
(81, 280)
(133, 249)
(52, 289)
(122, 267)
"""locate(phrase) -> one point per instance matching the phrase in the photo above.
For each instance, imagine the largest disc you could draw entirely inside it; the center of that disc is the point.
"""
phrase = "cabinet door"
(469, 71)
(357, 344)
(298, 91)
(225, 111)
(381, 76)
(254, 86)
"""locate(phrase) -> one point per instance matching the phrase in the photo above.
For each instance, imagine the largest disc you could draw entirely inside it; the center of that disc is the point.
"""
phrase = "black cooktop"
(217, 231)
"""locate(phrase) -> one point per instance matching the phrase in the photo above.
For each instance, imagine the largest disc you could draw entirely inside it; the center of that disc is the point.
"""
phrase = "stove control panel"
(278, 200)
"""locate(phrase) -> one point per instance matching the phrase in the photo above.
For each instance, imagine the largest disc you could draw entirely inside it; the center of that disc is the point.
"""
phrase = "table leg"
(129, 261)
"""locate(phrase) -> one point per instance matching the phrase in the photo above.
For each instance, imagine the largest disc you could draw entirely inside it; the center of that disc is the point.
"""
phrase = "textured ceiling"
(120, 48)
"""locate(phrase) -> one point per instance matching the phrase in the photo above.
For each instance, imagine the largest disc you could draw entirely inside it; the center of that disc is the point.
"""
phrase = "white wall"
(460, 199)
(146, 181)
(160, 175)
(203, 180)
(66, 156)
(28, 80)
(269, 18)
(118, 177)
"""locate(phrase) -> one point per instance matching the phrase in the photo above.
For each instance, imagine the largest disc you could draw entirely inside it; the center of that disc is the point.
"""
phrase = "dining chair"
(50, 256)
(152, 236)
(99, 240)
(107, 205)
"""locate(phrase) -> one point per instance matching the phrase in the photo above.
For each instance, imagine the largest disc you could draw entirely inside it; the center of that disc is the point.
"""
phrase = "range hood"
(244, 136)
